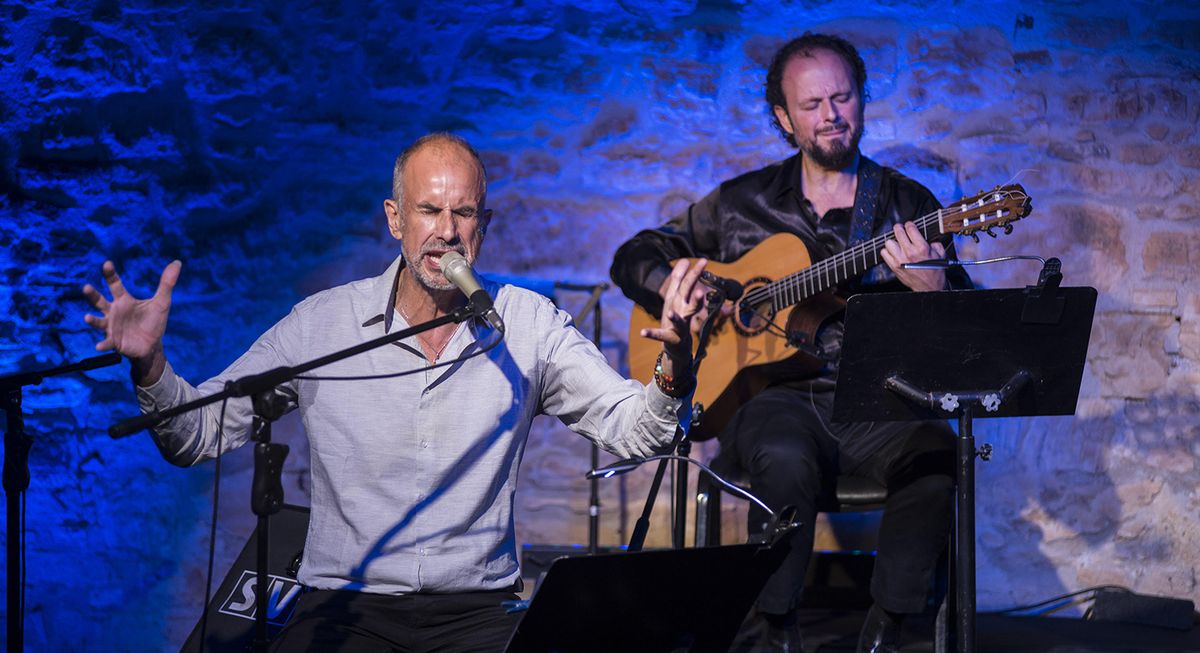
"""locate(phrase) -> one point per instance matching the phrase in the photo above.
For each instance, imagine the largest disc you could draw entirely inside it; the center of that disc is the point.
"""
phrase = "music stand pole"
(964, 534)
(965, 404)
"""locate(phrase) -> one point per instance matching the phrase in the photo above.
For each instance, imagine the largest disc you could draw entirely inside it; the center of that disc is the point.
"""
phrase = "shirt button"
(424, 444)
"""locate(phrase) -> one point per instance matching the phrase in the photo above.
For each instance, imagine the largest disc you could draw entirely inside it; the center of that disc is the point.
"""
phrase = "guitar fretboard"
(844, 265)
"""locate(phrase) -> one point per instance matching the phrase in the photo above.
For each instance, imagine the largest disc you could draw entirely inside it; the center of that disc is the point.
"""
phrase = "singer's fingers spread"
(115, 287)
(170, 276)
(693, 275)
(97, 322)
(665, 336)
(95, 298)
(677, 272)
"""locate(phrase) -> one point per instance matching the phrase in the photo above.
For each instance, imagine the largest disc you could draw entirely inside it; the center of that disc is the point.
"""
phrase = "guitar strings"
(782, 289)
(801, 285)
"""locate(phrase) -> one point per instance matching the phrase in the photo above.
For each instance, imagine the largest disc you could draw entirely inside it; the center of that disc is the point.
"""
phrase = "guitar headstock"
(999, 207)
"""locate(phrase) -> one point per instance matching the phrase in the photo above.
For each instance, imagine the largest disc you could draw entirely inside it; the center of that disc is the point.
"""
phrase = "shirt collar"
(787, 177)
(382, 293)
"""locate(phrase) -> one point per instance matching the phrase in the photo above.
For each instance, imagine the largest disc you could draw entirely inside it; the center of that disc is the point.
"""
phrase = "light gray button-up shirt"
(413, 477)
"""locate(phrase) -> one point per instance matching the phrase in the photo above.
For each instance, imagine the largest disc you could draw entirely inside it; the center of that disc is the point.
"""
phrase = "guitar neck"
(848, 264)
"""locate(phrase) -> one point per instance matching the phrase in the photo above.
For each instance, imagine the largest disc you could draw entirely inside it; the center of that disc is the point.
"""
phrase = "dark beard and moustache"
(838, 156)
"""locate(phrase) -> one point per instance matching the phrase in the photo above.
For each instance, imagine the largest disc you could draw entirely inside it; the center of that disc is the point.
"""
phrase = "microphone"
(728, 287)
(459, 272)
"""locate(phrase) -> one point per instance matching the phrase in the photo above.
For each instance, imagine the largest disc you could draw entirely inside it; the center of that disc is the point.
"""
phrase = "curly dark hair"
(803, 46)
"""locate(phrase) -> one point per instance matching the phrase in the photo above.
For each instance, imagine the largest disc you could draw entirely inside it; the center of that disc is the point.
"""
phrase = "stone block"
(1157, 131)
(1095, 32)
(1143, 153)
(1128, 355)
(613, 120)
(1188, 156)
(1178, 32)
(1032, 59)
(1182, 211)
(1171, 255)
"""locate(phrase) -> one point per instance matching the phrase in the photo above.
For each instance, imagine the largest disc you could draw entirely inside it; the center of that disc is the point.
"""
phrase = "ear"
(484, 220)
(784, 119)
(395, 219)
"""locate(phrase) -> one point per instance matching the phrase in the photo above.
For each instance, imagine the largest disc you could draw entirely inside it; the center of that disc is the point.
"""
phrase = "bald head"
(438, 144)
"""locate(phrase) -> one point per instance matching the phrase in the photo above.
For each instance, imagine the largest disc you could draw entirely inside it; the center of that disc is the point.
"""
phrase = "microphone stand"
(16, 480)
(680, 445)
(266, 493)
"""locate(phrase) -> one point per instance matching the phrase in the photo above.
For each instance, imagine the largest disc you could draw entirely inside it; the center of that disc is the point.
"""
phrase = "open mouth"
(434, 259)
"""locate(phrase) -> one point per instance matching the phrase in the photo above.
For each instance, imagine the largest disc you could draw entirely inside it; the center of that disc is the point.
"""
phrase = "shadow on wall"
(1080, 489)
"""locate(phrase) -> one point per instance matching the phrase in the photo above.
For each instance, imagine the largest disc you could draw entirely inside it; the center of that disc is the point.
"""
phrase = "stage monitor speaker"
(231, 612)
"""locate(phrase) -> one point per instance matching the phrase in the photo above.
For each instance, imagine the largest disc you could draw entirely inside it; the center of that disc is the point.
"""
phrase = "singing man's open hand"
(134, 327)
(683, 298)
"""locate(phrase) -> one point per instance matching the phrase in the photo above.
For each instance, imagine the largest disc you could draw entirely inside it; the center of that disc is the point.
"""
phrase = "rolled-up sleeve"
(622, 416)
(191, 437)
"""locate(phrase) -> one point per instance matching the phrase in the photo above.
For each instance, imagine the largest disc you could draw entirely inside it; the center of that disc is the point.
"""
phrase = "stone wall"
(254, 141)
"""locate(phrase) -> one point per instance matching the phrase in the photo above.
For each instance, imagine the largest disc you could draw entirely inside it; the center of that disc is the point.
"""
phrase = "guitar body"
(752, 348)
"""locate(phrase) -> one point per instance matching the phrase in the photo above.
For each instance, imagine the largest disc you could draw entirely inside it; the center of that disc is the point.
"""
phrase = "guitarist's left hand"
(909, 247)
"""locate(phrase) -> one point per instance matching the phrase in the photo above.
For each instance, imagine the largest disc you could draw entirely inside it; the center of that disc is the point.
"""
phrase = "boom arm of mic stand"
(255, 383)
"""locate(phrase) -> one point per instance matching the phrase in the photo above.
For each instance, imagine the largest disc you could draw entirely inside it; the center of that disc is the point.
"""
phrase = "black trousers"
(784, 440)
(344, 621)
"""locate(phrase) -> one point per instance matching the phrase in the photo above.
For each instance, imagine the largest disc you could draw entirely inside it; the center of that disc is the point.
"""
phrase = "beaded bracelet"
(670, 385)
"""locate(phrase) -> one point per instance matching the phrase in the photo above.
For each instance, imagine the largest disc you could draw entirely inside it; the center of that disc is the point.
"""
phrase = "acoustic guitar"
(771, 334)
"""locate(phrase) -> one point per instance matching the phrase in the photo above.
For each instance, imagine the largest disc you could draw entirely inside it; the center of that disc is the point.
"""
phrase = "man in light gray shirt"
(411, 539)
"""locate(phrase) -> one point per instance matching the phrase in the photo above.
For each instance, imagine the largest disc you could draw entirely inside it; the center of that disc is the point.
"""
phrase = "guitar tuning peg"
(1008, 228)
(989, 232)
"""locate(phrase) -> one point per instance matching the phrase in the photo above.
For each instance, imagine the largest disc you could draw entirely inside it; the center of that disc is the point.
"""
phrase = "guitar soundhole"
(754, 313)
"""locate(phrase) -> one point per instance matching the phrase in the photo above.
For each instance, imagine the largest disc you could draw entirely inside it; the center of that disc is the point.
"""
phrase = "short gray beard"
(419, 272)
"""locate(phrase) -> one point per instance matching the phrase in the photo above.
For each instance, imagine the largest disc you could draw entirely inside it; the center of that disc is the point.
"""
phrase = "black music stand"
(963, 354)
(681, 600)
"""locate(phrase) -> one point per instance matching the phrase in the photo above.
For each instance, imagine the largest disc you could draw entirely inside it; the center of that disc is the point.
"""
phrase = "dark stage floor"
(828, 631)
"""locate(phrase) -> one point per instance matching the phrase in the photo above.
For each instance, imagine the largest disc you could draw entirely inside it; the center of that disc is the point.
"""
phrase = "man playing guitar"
(830, 198)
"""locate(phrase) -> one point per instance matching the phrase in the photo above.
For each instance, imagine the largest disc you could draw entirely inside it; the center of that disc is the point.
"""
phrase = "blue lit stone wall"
(254, 141)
